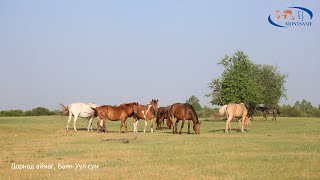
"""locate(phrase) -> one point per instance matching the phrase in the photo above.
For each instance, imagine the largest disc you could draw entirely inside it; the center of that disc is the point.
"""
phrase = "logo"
(291, 17)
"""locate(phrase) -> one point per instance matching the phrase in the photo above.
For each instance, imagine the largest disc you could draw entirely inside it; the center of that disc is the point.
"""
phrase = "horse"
(79, 109)
(235, 111)
(115, 113)
(265, 110)
(147, 113)
(184, 111)
(163, 113)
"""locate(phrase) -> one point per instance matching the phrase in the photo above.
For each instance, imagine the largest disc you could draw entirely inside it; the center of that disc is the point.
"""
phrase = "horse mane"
(194, 112)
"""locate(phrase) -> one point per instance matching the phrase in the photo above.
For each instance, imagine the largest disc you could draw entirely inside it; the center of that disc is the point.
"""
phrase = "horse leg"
(98, 125)
(182, 125)
(74, 121)
(69, 119)
(126, 125)
(135, 126)
(121, 124)
(145, 125)
(242, 123)
(189, 126)
(90, 123)
(228, 124)
(105, 126)
(152, 121)
(162, 124)
(173, 124)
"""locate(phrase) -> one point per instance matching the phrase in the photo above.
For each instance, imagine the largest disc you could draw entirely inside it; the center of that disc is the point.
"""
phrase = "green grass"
(286, 149)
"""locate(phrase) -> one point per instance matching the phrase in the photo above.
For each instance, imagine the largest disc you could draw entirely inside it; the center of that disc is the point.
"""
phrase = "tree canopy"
(194, 101)
(244, 81)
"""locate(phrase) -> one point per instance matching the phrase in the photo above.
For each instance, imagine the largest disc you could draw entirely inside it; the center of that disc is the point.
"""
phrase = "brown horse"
(115, 113)
(163, 113)
(184, 111)
(147, 113)
(235, 111)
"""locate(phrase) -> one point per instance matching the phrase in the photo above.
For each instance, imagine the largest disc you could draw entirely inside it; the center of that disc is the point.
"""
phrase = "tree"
(270, 83)
(304, 106)
(244, 81)
(194, 101)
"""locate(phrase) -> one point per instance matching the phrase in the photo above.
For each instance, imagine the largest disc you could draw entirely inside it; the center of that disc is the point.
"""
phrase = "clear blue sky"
(110, 52)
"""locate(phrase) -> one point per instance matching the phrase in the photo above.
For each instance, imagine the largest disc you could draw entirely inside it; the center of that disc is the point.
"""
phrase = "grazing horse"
(79, 109)
(235, 111)
(163, 113)
(265, 110)
(147, 113)
(184, 111)
(115, 113)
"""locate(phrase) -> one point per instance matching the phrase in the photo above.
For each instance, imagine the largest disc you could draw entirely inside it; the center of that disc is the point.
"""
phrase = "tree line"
(302, 108)
(39, 111)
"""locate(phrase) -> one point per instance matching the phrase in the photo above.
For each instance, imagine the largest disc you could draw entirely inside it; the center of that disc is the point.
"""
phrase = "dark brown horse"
(162, 114)
(115, 113)
(184, 111)
(147, 113)
(265, 110)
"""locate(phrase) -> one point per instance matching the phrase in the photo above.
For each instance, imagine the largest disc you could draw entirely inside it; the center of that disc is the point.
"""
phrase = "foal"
(147, 113)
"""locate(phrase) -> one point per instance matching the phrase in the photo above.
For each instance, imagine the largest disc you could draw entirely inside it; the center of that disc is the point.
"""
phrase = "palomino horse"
(79, 109)
(163, 113)
(115, 113)
(147, 113)
(184, 111)
(235, 111)
(265, 110)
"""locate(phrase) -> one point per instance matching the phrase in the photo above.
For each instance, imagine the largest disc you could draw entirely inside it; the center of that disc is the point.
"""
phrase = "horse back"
(183, 111)
(237, 110)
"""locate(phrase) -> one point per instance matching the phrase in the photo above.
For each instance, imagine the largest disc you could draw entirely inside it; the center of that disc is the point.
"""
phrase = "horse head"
(154, 104)
(196, 127)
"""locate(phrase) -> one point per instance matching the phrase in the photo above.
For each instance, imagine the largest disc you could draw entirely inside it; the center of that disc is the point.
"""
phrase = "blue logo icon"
(291, 17)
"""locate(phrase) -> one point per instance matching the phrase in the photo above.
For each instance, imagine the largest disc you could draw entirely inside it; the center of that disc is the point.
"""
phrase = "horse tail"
(223, 110)
(64, 109)
(95, 111)
(278, 111)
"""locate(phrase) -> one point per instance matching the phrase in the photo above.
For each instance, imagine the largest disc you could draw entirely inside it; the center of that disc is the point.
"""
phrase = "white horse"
(82, 110)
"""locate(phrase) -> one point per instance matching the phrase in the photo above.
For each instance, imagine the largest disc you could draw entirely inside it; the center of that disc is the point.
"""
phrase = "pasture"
(286, 149)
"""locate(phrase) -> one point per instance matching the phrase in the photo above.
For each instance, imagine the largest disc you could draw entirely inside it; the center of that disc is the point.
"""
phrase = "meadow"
(40, 148)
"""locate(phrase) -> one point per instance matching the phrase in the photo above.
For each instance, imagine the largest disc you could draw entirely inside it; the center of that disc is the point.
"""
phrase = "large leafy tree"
(194, 101)
(244, 81)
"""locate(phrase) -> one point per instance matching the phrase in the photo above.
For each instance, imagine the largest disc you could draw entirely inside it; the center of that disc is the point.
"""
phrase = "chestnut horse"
(115, 113)
(147, 113)
(184, 111)
(235, 111)
(163, 113)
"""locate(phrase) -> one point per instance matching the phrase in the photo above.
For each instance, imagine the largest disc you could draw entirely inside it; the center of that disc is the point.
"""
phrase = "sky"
(111, 52)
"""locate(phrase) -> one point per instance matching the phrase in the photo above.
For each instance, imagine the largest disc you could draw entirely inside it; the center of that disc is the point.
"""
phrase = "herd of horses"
(172, 114)
(177, 112)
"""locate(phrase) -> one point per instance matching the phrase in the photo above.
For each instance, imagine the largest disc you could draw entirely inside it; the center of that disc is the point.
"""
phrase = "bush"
(289, 111)
(11, 113)
(39, 111)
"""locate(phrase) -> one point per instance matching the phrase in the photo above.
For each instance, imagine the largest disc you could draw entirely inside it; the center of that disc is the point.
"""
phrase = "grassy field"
(40, 146)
